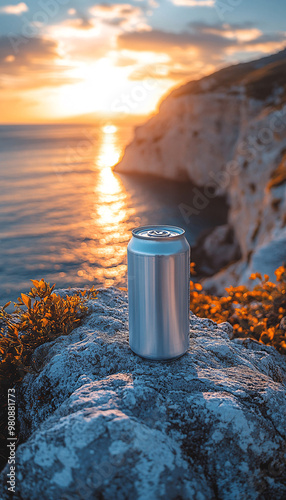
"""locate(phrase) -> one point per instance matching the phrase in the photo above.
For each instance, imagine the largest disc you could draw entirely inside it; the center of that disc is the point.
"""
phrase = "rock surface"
(227, 132)
(100, 422)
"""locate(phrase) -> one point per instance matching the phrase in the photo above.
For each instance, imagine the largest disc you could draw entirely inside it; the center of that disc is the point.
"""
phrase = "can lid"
(158, 232)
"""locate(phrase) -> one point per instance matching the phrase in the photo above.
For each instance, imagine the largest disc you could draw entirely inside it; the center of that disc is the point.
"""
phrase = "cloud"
(162, 41)
(15, 10)
(242, 33)
(163, 71)
(80, 23)
(31, 48)
(118, 14)
(199, 51)
(214, 39)
(268, 38)
(124, 61)
(194, 3)
(191, 54)
(35, 65)
(81, 42)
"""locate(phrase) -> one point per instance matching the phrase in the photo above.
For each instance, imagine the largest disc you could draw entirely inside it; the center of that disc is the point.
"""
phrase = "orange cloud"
(14, 9)
(79, 23)
(125, 61)
(163, 41)
(198, 52)
(241, 34)
(118, 14)
(36, 65)
(91, 59)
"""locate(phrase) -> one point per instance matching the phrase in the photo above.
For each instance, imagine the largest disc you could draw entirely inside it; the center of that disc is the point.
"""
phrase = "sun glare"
(109, 152)
(109, 129)
(106, 88)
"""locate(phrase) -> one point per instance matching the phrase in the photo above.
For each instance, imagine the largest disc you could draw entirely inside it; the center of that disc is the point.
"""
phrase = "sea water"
(67, 217)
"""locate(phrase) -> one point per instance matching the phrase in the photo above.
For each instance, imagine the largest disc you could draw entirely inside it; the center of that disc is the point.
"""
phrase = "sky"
(62, 59)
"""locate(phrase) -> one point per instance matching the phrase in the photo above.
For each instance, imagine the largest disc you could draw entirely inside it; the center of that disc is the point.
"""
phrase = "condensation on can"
(158, 292)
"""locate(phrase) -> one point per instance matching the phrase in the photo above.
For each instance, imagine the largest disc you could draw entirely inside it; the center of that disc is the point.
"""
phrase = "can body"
(158, 292)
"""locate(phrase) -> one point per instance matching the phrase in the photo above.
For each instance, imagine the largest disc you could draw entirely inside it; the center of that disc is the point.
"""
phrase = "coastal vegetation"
(39, 317)
(43, 315)
(259, 313)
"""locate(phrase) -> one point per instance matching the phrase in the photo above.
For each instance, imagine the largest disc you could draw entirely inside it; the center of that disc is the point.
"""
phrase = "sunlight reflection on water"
(67, 217)
(110, 216)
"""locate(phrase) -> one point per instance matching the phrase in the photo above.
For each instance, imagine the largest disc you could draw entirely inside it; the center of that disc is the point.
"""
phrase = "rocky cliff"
(97, 421)
(227, 133)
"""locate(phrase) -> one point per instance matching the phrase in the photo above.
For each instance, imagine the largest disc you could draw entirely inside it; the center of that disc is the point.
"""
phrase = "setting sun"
(109, 129)
(115, 59)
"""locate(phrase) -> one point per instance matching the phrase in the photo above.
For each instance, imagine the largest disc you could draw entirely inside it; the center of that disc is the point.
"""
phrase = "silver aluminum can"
(158, 292)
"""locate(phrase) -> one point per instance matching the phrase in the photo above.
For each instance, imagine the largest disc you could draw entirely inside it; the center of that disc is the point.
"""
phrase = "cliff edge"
(227, 134)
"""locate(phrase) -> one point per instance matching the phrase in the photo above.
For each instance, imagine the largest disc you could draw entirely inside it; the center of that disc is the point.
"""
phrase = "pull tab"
(159, 233)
